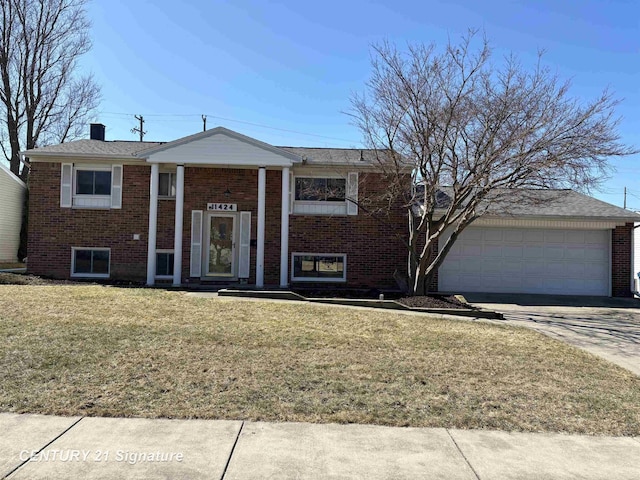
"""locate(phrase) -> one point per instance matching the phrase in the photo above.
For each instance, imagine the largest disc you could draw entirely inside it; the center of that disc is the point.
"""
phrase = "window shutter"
(116, 186)
(66, 185)
(352, 193)
(292, 190)
(196, 243)
(245, 245)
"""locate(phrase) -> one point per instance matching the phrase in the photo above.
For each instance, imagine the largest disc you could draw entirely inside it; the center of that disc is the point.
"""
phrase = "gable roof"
(217, 131)
(129, 149)
(549, 203)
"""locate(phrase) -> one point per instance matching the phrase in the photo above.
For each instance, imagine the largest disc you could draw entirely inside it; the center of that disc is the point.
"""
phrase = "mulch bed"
(426, 301)
(7, 278)
(437, 301)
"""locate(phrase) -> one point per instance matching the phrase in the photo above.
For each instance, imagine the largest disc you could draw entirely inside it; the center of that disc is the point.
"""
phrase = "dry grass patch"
(91, 350)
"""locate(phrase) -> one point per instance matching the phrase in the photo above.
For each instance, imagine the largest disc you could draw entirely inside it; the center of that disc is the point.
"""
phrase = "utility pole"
(139, 129)
(625, 197)
(204, 123)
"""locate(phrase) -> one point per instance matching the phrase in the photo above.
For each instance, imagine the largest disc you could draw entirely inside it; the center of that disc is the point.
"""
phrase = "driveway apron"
(607, 327)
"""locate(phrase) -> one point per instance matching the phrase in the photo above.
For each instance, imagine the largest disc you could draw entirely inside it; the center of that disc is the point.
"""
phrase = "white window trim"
(316, 279)
(321, 202)
(74, 186)
(166, 197)
(89, 275)
(163, 277)
(327, 176)
(329, 208)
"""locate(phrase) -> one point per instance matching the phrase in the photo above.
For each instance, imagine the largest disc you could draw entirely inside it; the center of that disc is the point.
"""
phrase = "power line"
(233, 120)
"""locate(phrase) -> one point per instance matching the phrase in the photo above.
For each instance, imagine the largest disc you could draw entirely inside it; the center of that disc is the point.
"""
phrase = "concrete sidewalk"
(114, 448)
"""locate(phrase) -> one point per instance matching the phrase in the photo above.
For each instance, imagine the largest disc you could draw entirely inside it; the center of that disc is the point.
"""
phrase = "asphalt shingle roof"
(517, 202)
(324, 156)
(113, 148)
(121, 148)
(553, 203)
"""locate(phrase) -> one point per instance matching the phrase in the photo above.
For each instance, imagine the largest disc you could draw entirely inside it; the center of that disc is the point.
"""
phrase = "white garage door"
(520, 260)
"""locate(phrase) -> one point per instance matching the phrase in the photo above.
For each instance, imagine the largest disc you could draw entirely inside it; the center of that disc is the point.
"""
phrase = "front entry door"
(221, 251)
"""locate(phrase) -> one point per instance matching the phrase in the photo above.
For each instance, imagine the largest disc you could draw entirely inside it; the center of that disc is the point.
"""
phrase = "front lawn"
(92, 350)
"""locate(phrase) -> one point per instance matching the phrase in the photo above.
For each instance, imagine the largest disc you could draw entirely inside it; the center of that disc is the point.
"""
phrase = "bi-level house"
(217, 208)
(221, 208)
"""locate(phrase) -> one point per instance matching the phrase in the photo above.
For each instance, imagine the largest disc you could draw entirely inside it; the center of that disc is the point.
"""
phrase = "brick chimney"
(97, 131)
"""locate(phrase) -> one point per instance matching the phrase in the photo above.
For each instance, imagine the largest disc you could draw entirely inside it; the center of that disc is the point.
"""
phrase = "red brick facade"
(621, 252)
(207, 185)
(372, 246)
(54, 230)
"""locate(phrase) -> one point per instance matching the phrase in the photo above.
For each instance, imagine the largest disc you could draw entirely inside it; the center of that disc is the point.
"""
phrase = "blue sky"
(283, 71)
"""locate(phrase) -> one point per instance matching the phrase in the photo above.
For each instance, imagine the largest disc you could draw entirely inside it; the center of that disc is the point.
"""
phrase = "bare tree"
(470, 132)
(42, 100)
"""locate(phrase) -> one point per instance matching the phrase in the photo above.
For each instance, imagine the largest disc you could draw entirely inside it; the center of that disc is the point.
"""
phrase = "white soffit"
(568, 223)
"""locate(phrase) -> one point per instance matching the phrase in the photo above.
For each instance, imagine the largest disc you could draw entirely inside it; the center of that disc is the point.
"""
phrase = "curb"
(357, 302)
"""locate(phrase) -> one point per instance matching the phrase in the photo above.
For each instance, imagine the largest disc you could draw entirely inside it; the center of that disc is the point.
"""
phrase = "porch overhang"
(220, 147)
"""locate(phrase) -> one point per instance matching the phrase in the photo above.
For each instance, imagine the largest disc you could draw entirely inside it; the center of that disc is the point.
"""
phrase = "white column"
(153, 223)
(284, 230)
(262, 188)
(177, 241)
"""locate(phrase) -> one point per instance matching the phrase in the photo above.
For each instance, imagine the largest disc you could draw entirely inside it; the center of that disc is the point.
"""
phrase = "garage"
(528, 260)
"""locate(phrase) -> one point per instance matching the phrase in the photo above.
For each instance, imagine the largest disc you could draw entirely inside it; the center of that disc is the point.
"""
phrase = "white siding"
(220, 149)
(12, 192)
(92, 201)
(319, 208)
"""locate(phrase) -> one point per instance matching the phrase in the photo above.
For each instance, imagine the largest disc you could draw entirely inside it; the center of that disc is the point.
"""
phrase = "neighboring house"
(12, 192)
(248, 212)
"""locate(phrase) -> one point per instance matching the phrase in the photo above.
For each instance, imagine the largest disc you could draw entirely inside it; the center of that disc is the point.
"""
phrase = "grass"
(92, 350)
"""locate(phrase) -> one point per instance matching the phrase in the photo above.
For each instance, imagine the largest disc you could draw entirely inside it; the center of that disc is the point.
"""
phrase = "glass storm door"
(221, 251)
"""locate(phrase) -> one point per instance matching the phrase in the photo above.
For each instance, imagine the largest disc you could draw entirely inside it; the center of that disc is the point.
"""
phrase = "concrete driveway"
(607, 327)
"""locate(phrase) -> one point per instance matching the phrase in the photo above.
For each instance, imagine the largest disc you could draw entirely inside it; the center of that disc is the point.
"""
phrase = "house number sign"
(222, 207)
